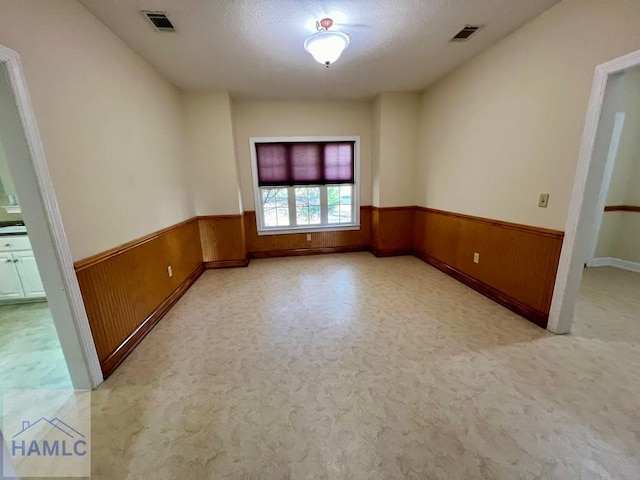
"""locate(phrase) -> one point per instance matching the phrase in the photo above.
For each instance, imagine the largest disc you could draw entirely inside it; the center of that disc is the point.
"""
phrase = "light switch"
(544, 200)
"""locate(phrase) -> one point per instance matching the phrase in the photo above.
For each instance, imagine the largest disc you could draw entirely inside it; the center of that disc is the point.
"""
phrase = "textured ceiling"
(253, 48)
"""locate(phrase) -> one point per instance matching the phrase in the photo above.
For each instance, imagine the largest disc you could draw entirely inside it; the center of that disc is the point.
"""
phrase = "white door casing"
(29, 170)
(583, 214)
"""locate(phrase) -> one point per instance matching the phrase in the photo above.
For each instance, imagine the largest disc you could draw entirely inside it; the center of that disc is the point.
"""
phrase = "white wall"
(301, 118)
(507, 125)
(210, 147)
(112, 128)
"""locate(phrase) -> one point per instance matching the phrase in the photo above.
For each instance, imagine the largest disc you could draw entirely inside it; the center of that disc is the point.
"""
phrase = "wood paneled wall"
(266, 246)
(127, 290)
(223, 241)
(517, 264)
(392, 231)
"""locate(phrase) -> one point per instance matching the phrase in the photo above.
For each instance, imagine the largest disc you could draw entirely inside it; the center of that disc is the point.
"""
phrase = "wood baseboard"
(391, 252)
(296, 252)
(243, 262)
(535, 316)
(125, 348)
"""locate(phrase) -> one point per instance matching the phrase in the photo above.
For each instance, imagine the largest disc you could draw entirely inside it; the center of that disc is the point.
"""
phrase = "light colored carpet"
(30, 353)
(352, 367)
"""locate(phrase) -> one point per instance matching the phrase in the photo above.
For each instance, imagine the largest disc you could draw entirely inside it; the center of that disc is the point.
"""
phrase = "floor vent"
(159, 21)
(465, 33)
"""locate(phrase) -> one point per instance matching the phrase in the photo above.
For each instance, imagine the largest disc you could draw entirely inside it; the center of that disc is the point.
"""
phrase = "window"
(305, 184)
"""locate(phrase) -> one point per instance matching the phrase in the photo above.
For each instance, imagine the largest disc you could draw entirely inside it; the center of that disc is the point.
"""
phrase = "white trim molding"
(615, 262)
(44, 223)
(583, 214)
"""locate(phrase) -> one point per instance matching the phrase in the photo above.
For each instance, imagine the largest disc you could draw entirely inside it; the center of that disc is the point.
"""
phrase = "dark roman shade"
(316, 163)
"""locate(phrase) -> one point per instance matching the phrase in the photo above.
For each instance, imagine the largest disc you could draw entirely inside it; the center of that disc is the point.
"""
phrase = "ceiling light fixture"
(325, 46)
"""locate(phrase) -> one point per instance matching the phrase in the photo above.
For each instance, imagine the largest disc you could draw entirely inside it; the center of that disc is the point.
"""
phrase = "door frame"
(583, 215)
(610, 163)
(49, 241)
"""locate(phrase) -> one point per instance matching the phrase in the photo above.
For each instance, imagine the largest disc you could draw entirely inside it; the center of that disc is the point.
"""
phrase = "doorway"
(599, 233)
(36, 260)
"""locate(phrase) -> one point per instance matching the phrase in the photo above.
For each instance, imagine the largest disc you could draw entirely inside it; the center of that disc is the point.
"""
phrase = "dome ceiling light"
(326, 46)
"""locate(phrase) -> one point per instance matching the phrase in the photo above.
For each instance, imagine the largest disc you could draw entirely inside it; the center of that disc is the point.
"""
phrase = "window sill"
(309, 229)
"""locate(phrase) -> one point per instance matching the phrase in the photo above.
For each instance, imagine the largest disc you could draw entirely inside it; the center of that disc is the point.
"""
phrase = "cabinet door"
(10, 286)
(29, 274)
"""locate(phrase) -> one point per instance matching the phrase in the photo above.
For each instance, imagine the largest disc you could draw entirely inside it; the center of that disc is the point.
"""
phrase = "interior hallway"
(30, 352)
(348, 366)
(609, 306)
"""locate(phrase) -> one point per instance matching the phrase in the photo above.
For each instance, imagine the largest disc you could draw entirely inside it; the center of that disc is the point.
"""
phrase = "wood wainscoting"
(517, 265)
(268, 246)
(392, 231)
(127, 290)
(223, 241)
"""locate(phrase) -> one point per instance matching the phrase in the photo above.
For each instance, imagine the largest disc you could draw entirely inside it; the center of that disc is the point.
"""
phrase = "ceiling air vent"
(159, 21)
(465, 33)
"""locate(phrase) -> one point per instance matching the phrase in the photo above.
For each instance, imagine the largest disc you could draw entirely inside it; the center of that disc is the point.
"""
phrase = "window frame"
(257, 192)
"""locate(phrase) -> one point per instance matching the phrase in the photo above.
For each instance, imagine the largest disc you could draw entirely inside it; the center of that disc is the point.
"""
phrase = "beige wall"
(507, 125)
(375, 150)
(212, 161)
(110, 125)
(395, 148)
(301, 118)
(490, 137)
(627, 241)
(619, 236)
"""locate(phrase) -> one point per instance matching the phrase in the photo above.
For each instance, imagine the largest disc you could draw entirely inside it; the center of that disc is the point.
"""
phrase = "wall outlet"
(308, 237)
(476, 258)
(170, 271)
(543, 201)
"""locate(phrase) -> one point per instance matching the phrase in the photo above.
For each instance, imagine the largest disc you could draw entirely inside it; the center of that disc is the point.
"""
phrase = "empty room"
(300, 239)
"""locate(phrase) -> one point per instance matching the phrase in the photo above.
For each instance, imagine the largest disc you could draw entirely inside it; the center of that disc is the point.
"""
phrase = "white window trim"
(262, 230)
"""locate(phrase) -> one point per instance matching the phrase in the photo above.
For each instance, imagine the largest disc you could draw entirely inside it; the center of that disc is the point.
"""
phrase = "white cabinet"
(19, 275)
(29, 275)
(10, 286)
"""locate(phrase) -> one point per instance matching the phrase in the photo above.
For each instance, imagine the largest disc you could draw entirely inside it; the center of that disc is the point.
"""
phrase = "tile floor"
(352, 367)
(30, 353)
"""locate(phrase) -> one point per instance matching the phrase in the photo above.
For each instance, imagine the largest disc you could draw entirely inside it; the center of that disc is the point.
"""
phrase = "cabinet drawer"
(10, 243)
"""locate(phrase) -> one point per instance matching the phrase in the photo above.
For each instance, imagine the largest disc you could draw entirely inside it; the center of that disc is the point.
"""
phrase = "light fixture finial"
(324, 24)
